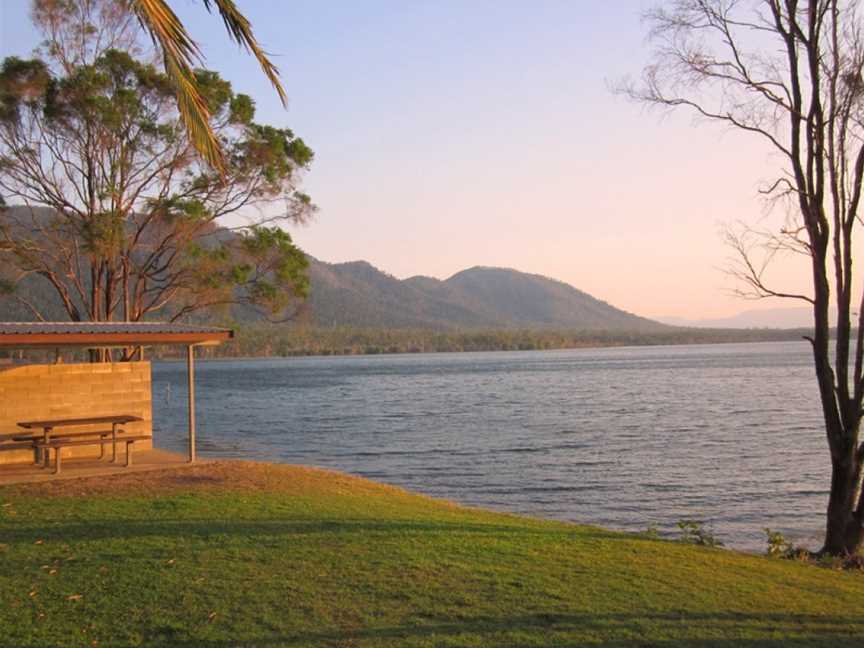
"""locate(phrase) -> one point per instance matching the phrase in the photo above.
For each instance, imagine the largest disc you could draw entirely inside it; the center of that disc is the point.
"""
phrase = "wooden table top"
(68, 422)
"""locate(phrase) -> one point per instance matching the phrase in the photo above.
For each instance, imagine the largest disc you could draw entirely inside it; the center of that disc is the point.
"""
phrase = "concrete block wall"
(38, 392)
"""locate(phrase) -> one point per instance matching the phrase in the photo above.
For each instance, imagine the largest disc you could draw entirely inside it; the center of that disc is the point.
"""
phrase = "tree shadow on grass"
(209, 528)
(703, 630)
(672, 630)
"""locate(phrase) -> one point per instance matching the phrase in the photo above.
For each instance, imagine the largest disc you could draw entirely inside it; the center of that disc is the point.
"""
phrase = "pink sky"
(454, 134)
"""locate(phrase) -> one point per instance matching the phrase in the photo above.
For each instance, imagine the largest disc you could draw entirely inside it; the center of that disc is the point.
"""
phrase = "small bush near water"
(695, 532)
(780, 547)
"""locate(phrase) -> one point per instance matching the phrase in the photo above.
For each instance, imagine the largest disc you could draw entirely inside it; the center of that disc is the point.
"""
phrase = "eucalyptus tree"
(109, 203)
(789, 73)
(94, 22)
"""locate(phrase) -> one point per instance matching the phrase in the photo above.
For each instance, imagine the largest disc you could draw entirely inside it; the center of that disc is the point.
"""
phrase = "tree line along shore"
(285, 341)
(268, 341)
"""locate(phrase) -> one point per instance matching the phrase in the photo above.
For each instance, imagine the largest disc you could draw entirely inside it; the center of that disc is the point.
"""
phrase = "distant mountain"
(358, 294)
(767, 318)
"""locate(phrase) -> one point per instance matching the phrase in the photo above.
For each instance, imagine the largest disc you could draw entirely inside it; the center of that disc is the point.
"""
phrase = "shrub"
(778, 545)
(652, 531)
(695, 532)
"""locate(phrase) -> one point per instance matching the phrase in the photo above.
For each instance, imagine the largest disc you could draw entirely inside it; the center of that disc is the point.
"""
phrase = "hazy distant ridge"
(783, 318)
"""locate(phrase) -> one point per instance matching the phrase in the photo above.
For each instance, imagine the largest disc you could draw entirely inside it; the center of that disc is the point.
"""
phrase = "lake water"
(623, 437)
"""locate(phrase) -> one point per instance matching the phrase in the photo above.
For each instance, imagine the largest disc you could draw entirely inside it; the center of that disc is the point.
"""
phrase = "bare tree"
(109, 204)
(77, 33)
(790, 74)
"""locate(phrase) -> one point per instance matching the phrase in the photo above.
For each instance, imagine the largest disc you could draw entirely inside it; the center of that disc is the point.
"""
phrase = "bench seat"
(14, 445)
(61, 435)
(37, 441)
(58, 444)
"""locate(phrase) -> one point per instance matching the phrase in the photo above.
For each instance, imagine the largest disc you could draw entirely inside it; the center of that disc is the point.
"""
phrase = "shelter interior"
(78, 390)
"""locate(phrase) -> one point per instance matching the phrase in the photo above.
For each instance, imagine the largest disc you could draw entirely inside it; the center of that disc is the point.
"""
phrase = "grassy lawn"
(241, 554)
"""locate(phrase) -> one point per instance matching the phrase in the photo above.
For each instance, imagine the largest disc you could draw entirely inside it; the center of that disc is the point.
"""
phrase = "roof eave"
(108, 340)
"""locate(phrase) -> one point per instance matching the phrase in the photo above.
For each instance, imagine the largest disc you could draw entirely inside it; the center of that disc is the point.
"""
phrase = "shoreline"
(90, 485)
(790, 335)
(236, 474)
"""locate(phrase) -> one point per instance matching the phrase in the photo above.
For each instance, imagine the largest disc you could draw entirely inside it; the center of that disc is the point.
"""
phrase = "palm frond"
(180, 54)
(240, 30)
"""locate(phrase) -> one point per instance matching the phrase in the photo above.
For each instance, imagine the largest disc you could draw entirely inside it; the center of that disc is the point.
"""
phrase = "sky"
(451, 134)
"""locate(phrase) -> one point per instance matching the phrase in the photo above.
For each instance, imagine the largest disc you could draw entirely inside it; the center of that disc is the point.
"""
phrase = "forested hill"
(358, 294)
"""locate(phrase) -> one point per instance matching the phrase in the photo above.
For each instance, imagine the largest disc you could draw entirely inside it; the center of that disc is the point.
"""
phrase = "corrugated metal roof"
(107, 334)
(85, 328)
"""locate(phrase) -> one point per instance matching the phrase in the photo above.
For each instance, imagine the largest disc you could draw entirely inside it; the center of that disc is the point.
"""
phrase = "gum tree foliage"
(136, 224)
(789, 73)
(98, 25)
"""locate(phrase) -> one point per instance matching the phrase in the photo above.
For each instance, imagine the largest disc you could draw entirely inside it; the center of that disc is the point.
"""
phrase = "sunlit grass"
(322, 560)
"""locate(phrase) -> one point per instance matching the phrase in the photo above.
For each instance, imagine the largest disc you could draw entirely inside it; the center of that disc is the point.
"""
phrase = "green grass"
(353, 564)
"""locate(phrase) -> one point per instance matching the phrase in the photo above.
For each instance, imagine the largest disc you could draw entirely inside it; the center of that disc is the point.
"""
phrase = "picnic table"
(53, 438)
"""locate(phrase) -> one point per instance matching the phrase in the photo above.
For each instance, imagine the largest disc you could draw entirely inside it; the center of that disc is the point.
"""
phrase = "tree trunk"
(844, 533)
(841, 412)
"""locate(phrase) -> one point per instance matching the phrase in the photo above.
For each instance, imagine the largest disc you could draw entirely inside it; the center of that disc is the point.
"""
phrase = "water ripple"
(623, 437)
